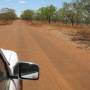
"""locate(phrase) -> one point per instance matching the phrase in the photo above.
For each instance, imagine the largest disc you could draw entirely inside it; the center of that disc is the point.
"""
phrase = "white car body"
(12, 58)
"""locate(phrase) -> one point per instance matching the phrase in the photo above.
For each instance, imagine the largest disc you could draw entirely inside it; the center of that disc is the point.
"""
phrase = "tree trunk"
(49, 19)
(72, 20)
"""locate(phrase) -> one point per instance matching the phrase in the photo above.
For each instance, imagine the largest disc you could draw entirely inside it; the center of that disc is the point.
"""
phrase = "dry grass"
(82, 37)
(6, 22)
(78, 33)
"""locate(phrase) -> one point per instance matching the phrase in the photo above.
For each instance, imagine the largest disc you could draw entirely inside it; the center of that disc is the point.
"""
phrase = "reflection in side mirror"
(27, 70)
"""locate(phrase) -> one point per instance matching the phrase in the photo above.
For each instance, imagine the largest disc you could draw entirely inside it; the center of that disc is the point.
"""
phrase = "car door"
(4, 81)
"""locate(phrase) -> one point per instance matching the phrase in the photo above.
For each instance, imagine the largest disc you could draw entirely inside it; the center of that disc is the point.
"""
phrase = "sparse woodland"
(76, 12)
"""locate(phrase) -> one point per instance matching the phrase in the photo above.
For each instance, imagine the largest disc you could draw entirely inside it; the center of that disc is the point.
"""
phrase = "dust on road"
(62, 65)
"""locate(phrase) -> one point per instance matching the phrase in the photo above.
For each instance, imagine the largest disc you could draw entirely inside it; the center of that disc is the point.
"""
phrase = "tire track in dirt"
(49, 75)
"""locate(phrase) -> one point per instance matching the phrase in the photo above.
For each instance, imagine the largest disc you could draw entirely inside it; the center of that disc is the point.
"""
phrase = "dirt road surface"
(62, 65)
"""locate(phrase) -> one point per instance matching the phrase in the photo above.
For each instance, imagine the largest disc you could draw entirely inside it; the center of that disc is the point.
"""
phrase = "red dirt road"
(62, 65)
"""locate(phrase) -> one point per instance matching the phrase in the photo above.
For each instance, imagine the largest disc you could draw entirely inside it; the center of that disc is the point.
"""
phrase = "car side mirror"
(26, 70)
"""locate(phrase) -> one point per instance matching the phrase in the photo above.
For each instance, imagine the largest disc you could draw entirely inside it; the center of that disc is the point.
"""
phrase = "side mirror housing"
(26, 70)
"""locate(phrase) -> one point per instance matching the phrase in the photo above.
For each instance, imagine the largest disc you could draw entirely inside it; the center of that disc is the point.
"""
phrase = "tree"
(50, 12)
(7, 14)
(78, 12)
(86, 8)
(27, 15)
(47, 13)
(67, 12)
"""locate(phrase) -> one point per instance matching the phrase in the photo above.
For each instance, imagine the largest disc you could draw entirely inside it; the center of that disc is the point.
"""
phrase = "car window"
(3, 75)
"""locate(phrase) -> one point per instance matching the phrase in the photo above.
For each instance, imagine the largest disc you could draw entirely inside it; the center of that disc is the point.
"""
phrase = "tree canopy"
(27, 14)
(7, 14)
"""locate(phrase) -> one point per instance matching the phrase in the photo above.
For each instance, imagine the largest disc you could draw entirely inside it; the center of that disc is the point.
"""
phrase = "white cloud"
(19, 1)
(22, 1)
(8, 0)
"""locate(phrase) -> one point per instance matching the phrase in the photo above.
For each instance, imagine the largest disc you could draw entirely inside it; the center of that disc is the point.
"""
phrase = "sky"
(20, 5)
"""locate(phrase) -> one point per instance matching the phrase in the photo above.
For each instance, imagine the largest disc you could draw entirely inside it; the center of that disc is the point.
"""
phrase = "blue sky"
(20, 5)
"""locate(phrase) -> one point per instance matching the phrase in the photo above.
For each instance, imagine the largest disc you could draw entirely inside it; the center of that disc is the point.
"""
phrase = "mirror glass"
(28, 71)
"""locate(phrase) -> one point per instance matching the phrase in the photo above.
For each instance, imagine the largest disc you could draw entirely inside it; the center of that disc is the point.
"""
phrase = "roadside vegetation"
(7, 16)
(27, 15)
(76, 12)
(82, 37)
